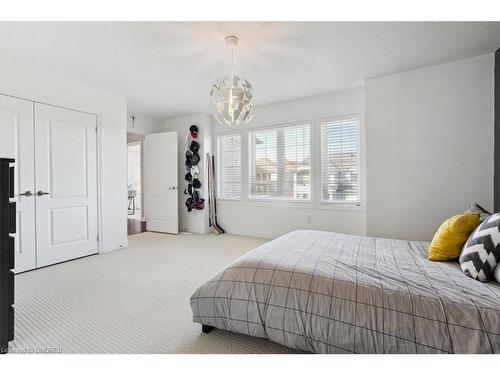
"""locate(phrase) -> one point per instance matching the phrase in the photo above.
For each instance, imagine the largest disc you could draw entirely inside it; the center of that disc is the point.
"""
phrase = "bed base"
(206, 329)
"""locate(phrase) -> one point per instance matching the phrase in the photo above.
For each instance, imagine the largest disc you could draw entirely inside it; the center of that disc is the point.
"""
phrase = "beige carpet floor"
(134, 300)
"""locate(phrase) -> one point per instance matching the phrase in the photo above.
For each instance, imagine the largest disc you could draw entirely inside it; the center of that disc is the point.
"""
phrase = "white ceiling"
(166, 69)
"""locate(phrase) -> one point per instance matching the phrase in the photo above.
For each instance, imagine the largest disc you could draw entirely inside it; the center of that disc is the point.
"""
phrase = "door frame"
(143, 170)
(36, 98)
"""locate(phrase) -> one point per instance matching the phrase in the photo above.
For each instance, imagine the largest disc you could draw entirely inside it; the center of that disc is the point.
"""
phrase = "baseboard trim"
(242, 232)
(114, 246)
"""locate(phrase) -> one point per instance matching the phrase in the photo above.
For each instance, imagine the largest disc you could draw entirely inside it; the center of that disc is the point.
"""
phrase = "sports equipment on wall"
(194, 201)
(212, 200)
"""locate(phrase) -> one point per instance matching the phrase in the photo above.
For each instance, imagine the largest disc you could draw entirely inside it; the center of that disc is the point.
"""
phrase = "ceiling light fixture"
(232, 96)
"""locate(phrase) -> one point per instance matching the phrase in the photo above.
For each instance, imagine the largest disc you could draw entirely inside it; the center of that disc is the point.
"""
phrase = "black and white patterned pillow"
(497, 273)
(476, 208)
(481, 253)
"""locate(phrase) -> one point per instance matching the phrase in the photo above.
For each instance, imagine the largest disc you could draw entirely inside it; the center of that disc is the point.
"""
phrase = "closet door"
(66, 184)
(16, 141)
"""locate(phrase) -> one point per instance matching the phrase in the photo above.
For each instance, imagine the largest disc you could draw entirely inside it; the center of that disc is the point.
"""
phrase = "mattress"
(326, 292)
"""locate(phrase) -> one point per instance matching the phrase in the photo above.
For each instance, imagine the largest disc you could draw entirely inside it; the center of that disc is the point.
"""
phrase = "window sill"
(291, 204)
(340, 207)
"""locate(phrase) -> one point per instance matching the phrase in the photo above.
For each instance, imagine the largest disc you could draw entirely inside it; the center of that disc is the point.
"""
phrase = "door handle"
(172, 188)
(40, 193)
(27, 193)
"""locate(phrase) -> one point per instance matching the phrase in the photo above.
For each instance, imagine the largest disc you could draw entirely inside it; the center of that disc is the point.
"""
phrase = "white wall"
(144, 124)
(194, 221)
(429, 146)
(21, 80)
(271, 220)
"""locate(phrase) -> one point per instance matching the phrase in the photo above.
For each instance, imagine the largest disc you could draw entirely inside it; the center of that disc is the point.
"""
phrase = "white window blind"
(229, 167)
(340, 161)
(280, 163)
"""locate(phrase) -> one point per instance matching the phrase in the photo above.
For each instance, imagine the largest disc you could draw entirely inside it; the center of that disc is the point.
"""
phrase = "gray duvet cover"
(333, 293)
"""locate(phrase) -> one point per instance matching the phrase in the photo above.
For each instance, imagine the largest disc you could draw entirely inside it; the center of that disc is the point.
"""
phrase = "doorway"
(136, 222)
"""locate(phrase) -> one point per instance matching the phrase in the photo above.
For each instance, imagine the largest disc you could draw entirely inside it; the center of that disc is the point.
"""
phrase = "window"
(340, 161)
(280, 163)
(229, 167)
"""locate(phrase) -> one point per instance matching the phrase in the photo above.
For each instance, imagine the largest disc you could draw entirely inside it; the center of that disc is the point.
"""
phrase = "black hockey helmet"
(194, 146)
(189, 204)
(194, 159)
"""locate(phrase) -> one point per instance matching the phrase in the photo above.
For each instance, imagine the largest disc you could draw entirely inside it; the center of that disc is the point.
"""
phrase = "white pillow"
(497, 273)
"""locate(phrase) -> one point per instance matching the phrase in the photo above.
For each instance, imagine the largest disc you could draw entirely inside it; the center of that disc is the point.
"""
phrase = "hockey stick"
(214, 225)
(209, 193)
(214, 182)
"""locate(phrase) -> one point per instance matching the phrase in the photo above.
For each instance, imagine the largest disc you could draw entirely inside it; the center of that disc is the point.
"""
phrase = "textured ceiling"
(166, 69)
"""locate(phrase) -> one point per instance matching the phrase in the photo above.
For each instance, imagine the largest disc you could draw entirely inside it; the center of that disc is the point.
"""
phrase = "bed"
(326, 292)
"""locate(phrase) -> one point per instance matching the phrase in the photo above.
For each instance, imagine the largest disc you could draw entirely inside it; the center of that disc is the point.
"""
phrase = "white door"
(161, 183)
(16, 141)
(66, 184)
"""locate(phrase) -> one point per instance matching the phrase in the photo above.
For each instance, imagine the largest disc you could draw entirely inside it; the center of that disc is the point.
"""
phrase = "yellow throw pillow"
(451, 236)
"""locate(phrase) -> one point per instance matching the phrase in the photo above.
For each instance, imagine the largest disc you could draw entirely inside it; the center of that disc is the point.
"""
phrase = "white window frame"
(242, 162)
(320, 203)
(316, 178)
(282, 202)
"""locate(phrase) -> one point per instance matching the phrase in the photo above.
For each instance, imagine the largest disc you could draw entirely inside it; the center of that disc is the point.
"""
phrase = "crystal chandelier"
(232, 96)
